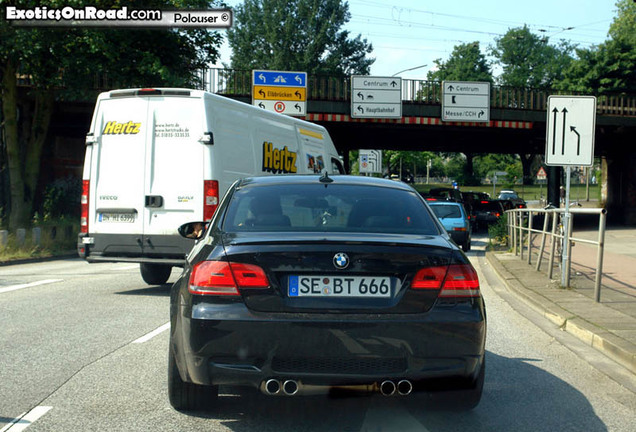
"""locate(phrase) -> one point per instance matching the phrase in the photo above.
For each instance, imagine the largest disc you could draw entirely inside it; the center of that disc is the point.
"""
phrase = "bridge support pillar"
(554, 185)
(618, 190)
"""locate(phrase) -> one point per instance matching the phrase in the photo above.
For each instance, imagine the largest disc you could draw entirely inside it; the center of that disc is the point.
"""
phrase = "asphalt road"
(84, 348)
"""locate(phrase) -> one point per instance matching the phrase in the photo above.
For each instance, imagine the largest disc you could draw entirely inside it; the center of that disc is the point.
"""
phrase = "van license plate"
(117, 217)
(340, 286)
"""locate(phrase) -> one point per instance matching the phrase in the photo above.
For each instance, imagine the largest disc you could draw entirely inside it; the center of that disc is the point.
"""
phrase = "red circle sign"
(279, 107)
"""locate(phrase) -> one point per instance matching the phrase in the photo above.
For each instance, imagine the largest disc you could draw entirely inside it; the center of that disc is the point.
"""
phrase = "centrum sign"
(466, 101)
(376, 97)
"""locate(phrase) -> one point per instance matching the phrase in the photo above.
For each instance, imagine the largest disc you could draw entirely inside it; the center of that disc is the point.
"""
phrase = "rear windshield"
(446, 211)
(508, 196)
(335, 208)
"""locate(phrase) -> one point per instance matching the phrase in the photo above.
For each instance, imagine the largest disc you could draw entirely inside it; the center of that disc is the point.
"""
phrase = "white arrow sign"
(571, 124)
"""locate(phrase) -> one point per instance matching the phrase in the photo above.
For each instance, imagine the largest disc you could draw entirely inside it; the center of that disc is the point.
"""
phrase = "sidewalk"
(608, 326)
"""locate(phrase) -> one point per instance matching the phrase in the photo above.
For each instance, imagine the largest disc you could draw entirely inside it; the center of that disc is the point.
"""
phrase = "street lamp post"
(409, 69)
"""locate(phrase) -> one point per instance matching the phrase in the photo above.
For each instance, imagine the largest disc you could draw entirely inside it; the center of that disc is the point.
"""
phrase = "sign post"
(279, 91)
(571, 125)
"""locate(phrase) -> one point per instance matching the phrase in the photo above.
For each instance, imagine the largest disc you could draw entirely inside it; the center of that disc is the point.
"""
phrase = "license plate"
(117, 217)
(339, 286)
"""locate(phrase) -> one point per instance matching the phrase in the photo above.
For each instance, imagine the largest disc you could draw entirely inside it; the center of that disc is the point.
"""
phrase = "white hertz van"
(158, 158)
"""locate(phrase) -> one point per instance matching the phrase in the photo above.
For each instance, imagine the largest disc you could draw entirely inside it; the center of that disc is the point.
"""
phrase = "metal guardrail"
(330, 88)
(520, 225)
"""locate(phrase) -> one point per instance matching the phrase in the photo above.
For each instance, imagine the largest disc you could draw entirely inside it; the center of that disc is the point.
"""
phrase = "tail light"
(84, 206)
(210, 197)
(224, 278)
(456, 280)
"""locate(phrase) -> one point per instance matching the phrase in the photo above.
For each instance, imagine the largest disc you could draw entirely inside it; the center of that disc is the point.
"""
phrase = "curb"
(598, 338)
(64, 255)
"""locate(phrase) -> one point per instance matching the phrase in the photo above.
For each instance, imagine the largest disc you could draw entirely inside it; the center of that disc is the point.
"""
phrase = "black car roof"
(315, 179)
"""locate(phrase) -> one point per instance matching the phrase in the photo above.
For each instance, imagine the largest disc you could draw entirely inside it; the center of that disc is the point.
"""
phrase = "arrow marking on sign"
(299, 79)
(360, 109)
(453, 99)
(262, 77)
(261, 105)
(298, 107)
(451, 88)
(565, 113)
(360, 95)
(262, 93)
(578, 140)
(555, 111)
(298, 95)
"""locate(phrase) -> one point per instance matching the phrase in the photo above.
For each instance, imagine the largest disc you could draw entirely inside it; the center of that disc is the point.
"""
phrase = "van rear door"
(120, 130)
(173, 191)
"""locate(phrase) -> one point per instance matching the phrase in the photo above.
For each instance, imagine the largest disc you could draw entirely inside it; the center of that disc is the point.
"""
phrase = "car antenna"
(325, 178)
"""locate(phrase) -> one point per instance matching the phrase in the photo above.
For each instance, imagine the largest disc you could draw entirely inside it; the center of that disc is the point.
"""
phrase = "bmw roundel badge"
(341, 260)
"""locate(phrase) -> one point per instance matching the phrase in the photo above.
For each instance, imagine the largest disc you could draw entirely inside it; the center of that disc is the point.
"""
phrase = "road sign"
(466, 101)
(376, 97)
(370, 161)
(541, 174)
(570, 129)
(280, 91)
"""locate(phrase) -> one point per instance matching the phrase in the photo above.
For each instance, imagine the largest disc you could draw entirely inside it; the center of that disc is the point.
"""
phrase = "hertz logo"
(115, 128)
(277, 160)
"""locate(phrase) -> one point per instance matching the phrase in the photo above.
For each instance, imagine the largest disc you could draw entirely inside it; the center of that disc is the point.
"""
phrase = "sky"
(408, 34)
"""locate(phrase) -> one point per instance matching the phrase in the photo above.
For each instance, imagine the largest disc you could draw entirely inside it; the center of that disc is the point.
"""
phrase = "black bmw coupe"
(308, 284)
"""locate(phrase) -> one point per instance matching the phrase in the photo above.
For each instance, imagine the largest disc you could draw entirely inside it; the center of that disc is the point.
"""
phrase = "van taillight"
(223, 278)
(456, 280)
(84, 206)
(210, 198)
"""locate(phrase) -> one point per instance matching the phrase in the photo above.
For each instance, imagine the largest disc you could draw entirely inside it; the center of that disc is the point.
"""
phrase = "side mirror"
(192, 230)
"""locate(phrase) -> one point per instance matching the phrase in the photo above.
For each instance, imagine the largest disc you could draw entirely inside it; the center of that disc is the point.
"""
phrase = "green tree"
(60, 63)
(302, 35)
(466, 63)
(611, 66)
(528, 60)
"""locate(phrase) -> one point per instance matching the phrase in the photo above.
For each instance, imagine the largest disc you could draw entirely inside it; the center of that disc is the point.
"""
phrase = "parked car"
(513, 197)
(488, 212)
(455, 220)
(303, 284)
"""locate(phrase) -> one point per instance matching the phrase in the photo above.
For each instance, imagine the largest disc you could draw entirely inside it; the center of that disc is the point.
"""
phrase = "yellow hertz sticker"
(277, 160)
(115, 128)
(310, 133)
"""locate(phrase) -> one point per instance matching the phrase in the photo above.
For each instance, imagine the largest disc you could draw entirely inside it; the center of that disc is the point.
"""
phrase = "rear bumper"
(229, 345)
(137, 248)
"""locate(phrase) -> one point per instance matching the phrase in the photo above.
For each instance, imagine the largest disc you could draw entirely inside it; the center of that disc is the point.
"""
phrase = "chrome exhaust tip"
(404, 387)
(387, 388)
(272, 387)
(290, 387)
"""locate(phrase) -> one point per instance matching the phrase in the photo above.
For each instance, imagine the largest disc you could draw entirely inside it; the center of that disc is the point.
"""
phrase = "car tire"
(185, 396)
(466, 246)
(155, 274)
(452, 400)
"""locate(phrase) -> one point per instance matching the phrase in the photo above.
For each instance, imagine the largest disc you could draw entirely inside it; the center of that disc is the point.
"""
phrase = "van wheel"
(155, 274)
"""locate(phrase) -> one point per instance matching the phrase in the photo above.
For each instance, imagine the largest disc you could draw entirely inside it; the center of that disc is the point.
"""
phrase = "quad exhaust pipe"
(274, 387)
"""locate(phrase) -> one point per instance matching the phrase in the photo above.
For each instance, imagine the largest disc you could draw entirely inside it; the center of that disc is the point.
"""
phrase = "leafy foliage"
(529, 60)
(611, 66)
(301, 35)
(466, 63)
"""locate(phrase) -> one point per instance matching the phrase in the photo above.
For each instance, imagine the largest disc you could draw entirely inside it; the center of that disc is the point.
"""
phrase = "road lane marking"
(25, 420)
(29, 285)
(152, 334)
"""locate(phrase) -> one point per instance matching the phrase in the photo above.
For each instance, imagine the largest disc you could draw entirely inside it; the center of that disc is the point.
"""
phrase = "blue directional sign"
(284, 92)
(279, 78)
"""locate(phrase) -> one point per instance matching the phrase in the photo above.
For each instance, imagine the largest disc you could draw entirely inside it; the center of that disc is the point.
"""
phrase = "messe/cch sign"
(465, 101)
(280, 91)
(376, 97)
